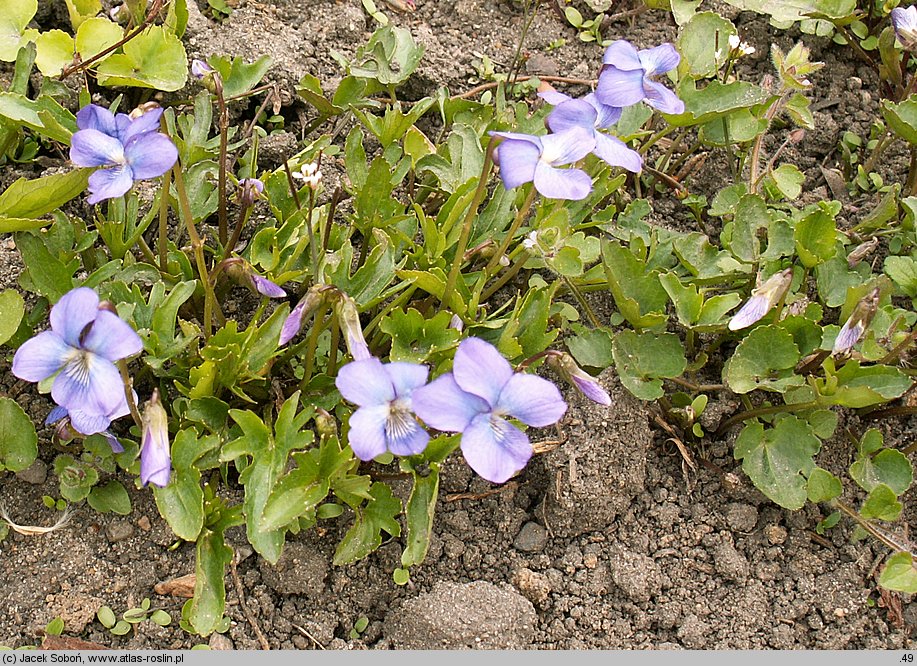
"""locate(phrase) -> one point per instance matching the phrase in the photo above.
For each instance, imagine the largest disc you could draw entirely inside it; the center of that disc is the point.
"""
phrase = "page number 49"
(907, 658)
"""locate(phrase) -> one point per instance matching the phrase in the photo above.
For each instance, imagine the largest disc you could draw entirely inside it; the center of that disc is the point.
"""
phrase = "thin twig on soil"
(237, 583)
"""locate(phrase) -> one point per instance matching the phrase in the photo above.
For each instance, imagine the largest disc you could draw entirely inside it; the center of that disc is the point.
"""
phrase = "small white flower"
(530, 241)
(734, 42)
(309, 174)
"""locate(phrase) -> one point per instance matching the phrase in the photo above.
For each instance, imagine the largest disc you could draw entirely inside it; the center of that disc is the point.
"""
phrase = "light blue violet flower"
(475, 398)
(155, 456)
(905, 24)
(627, 77)
(527, 158)
(384, 420)
(129, 147)
(593, 116)
(79, 352)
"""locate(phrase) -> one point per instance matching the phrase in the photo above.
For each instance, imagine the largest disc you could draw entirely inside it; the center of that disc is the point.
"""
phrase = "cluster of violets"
(628, 76)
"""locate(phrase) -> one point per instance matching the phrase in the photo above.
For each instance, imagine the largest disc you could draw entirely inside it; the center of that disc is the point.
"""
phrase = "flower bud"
(204, 73)
(155, 455)
(243, 273)
(588, 385)
(857, 323)
(325, 423)
(250, 190)
(303, 309)
(349, 320)
(762, 299)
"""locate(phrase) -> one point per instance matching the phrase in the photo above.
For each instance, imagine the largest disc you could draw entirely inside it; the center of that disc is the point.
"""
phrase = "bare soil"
(609, 541)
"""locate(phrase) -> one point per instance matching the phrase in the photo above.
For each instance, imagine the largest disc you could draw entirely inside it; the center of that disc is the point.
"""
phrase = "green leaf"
(643, 359)
(112, 497)
(366, 533)
(209, 602)
(889, 467)
(18, 439)
(902, 118)
(95, 35)
(903, 272)
(416, 338)
(54, 51)
(43, 115)
(37, 197)
(154, 59)
(14, 17)
(765, 359)
(160, 617)
(741, 235)
(779, 459)
(698, 42)
(81, 10)
(121, 628)
(12, 308)
(55, 627)
(822, 486)
(419, 516)
(881, 503)
(714, 101)
(106, 616)
(239, 77)
(898, 574)
(591, 348)
(637, 292)
(788, 179)
(854, 386)
(786, 12)
(815, 237)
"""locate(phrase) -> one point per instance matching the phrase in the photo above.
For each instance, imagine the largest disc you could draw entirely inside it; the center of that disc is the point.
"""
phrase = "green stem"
(506, 277)
(224, 142)
(313, 249)
(467, 224)
(521, 214)
(769, 115)
(197, 246)
(868, 526)
(164, 223)
(582, 301)
(318, 325)
(763, 411)
(129, 392)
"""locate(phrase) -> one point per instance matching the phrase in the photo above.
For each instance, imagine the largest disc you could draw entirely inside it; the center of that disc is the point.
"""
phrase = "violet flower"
(250, 189)
(905, 24)
(306, 306)
(80, 349)
(475, 398)
(200, 69)
(588, 385)
(130, 148)
(590, 114)
(244, 273)
(384, 420)
(65, 432)
(763, 298)
(155, 456)
(527, 158)
(627, 77)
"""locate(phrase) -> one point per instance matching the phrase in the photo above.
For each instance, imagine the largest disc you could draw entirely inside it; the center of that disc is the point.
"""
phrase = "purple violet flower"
(588, 385)
(65, 432)
(593, 116)
(627, 77)
(250, 189)
(266, 288)
(200, 69)
(306, 306)
(384, 420)
(155, 456)
(905, 23)
(527, 158)
(475, 398)
(857, 323)
(81, 347)
(130, 148)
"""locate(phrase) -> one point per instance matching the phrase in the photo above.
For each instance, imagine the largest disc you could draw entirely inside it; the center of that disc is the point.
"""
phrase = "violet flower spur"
(130, 148)
(80, 349)
(384, 420)
(475, 398)
(627, 77)
(593, 116)
(527, 158)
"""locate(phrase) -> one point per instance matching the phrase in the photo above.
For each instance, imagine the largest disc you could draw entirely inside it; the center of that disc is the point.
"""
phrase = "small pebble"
(775, 534)
(532, 538)
(119, 531)
(144, 523)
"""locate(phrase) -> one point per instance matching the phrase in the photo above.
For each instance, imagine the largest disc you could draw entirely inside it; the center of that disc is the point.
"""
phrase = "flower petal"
(606, 115)
(155, 458)
(662, 99)
(40, 357)
(444, 406)
(619, 87)
(408, 439)
(367, 431)
(113, 442)
(568, 146)
(89, 383)
(73, 312)
(365, 383)
(554, 97)
(480, 369)
(622, 55)
(55, 415)
(267, 288)
(754, 309)
(111, 337)
(660, 59)
(406, 377)
(616, 153)
(495, 448)
(90, 147)
(93, 116)
(517, 159)
(148, 122)
(572, 184)
(532, 400)
(150, 155)
(109, 183)
(88, 423)
(592, 390)
(573, 113)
